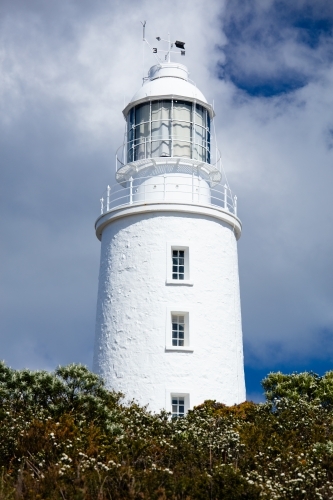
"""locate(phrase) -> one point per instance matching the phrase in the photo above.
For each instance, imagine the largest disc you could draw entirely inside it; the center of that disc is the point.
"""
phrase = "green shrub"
(63, 435)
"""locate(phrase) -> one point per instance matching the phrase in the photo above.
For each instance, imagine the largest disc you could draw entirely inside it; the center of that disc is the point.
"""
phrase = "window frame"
(187, 264)
(178, 330)
(178, 265)
(176, 311)
(176, 394)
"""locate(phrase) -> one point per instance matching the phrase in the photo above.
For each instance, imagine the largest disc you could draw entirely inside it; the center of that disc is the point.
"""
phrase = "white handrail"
(185, 188)
(140, 151)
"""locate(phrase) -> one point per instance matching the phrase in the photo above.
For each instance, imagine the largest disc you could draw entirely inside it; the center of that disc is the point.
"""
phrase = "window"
(178, 330)
(177, 406)
(178, 264)
(179, 403)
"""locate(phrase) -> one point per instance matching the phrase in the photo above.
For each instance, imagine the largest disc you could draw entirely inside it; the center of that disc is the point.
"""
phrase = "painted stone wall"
(134, 305)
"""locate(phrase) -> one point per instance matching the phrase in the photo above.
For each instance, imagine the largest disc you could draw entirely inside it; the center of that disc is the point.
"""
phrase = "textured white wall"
(175, 187)
(134, 303)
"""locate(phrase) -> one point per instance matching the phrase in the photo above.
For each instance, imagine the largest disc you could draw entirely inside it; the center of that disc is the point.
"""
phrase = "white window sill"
(179, 282)
(178, 348)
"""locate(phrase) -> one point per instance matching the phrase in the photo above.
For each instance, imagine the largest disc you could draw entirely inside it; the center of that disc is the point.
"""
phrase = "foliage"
(308, 386)
(63, 435)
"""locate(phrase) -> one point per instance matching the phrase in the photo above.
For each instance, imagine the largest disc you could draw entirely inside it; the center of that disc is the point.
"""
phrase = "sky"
(67, 70)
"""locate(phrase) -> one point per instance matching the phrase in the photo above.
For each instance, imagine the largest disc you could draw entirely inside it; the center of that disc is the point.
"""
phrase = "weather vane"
(155, 50)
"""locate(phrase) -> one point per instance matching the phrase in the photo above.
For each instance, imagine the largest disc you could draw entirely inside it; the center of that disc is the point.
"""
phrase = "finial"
(144, 30)
(155, 50)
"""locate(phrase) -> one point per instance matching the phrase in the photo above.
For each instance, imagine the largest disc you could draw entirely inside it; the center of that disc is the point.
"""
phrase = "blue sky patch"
(277, 49)
(259, 86)
(312, 31)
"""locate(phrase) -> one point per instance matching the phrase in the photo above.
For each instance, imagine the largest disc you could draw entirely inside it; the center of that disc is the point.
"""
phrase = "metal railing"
(157, 147)
(178, 188)
(171, 146)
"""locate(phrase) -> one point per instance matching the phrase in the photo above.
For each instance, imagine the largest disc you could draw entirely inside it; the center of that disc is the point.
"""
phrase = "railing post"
(102, 202)
(131, 190)
(164, 194)
(235, 205)
(192, 186)
(225, 197)
(108, 198)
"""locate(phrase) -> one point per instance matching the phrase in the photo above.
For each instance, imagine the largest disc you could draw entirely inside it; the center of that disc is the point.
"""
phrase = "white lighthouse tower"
(168, 330)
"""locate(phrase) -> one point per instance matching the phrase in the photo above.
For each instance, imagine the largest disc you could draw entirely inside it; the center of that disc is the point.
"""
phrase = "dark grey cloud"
(49, 280)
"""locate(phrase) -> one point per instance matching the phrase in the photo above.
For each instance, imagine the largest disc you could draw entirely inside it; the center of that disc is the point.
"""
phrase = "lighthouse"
(168, 328)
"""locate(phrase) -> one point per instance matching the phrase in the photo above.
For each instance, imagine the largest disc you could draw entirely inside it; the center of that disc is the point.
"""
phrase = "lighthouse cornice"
(171, 208)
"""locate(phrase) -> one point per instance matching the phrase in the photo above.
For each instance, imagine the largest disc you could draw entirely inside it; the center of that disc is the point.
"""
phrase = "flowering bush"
(64, 436)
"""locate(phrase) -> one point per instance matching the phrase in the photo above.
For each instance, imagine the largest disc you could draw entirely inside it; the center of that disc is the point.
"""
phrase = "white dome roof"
(168, 80)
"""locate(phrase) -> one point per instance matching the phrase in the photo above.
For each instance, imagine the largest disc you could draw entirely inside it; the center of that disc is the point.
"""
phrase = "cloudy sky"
(68, 67)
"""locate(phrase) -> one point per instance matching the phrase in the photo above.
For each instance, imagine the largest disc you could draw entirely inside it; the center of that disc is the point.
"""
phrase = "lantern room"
(168, 117)
(168, 153)
(169, 127)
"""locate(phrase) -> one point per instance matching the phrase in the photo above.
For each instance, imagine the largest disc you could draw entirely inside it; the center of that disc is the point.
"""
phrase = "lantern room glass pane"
(142, 113)
(142, 131)
(130, 135)
(182, 129)
(161, 128)
(200, 115)
(208, 138)
(201, 145)
(182, 111)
